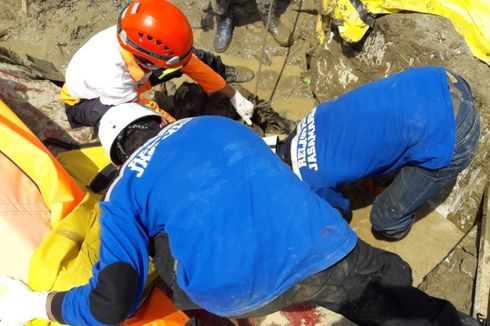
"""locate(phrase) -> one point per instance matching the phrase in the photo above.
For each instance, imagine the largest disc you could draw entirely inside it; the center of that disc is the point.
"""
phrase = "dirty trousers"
(221, 7)
(394, 209)
(369, 286)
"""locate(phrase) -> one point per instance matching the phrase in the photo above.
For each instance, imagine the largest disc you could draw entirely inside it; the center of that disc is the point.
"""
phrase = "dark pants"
(221, 7)
(89, 112)
(214, 61)
(86, 113)
(369, 286)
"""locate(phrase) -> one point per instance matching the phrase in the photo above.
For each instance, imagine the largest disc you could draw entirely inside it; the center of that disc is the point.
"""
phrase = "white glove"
(19, 304)
(243, 107)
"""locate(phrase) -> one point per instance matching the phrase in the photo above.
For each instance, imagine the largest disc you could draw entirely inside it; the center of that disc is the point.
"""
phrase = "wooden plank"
(482, 286)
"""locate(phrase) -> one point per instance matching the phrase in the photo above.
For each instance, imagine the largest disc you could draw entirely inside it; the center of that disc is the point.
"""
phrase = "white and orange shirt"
(102, 69)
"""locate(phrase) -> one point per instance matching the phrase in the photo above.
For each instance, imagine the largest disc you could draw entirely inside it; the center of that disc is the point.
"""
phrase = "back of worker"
(405, 119)
(241, 226)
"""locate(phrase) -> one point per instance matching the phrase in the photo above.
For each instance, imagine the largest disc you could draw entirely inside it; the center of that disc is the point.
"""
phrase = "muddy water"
(281, 89)
(281, 82)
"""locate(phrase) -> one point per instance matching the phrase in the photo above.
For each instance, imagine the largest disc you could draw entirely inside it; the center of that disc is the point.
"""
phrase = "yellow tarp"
(65, 258)
(66, 254)
(470, 18)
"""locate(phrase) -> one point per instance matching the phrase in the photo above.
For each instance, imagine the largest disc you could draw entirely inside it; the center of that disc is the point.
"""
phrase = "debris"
(482, 287)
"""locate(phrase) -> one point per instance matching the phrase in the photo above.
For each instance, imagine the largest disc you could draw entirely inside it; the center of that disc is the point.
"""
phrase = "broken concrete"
(37, 103)
(463, 259)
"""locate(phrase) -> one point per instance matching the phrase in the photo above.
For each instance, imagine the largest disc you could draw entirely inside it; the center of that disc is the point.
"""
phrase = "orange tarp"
(157, 310)
(60, 194)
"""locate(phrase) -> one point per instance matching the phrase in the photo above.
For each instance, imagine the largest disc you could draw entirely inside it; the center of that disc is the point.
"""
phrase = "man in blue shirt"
(234, 232)
(421, 120)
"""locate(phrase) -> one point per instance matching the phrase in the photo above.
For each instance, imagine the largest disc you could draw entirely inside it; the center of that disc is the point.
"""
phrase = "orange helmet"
(155, 31)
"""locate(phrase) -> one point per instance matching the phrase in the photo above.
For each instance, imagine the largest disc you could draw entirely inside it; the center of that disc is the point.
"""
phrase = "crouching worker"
(232, 230)
(152, 43)
(421, 120)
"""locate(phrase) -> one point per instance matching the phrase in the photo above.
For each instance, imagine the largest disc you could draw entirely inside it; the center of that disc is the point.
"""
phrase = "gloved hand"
(19, 304)
(243, 107)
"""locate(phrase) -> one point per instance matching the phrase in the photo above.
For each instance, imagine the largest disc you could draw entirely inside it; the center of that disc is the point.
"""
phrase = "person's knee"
(389, 217)
(382, 215)
(86, 113)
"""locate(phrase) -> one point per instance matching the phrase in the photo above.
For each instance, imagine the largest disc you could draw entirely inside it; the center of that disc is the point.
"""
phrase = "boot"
(238, 74)
(470, 321)
(224, 32)
(281, 33)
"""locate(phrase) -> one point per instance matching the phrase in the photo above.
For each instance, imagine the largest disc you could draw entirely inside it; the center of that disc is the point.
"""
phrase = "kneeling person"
(233, 230)
(421, 120)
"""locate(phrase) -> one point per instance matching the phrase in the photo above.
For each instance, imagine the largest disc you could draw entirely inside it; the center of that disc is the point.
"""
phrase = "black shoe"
(381, 235)
(224, 32)
(469, 321)
(281, 33)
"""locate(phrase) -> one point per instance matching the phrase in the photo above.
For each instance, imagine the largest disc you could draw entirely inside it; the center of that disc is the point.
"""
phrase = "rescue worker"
(421, 120)
(151, 43)
(225, 23)
(232, 230)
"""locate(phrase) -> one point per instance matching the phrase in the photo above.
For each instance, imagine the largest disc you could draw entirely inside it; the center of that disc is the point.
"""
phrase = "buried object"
(190, 101)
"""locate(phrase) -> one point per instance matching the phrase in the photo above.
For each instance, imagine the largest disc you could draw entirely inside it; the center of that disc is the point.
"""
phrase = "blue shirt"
(405, 119)
(241, 226)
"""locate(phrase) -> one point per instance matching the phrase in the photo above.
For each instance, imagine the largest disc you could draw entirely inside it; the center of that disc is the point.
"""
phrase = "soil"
(45, 34)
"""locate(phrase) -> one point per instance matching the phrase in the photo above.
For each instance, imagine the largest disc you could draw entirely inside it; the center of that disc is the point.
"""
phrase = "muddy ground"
(45, 34)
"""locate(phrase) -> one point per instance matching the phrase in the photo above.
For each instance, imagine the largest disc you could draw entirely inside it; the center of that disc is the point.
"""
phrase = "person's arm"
(49, 301)
(228, 91)
(110, 296)
(335, 198)
(115, 289)
(212, 82)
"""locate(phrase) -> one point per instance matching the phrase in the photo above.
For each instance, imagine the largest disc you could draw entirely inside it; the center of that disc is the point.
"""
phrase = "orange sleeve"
(202, 74)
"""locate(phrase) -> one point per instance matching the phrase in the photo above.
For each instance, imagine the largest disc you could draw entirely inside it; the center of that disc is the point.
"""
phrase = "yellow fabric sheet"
(470, 18)
(58, 245)
(66, 256)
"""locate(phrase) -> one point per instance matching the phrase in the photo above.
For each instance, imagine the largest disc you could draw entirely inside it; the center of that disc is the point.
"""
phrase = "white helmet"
(116, 119)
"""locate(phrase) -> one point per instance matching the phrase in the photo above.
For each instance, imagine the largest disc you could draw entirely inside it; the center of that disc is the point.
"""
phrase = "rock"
(454, 277)
(38, 105)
